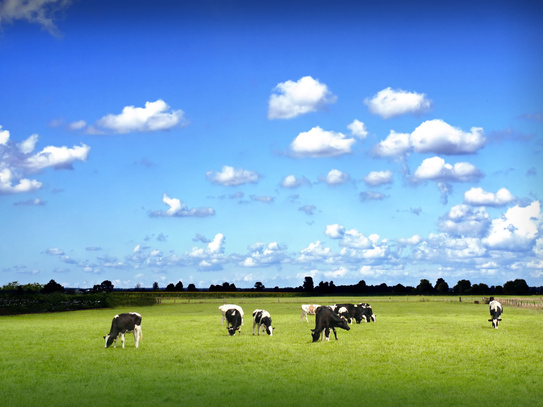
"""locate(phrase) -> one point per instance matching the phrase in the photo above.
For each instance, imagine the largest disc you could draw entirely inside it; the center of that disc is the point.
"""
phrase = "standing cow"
(308, 309)
(262, 318)
(326, 319)
(496, 311)
(226, 307)
(233, 321)
(121, 324)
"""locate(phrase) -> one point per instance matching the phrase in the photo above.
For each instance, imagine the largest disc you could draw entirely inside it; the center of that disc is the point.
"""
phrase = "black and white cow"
(308, 309)
(496, 310)
(121, 324)
(262, 318)
(233, 321)
(226, 307)
(366, 312)
(348, 311)
(326, 319)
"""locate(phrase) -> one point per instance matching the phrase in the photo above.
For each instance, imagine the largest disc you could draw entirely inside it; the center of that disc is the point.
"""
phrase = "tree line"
(425, 287)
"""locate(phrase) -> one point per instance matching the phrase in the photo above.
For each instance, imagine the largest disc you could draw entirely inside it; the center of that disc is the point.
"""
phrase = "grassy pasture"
(417, 353)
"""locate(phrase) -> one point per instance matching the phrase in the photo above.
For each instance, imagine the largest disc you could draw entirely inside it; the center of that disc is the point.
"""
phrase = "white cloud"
(296, 98)
(396, 144)
(321, 143)
(78, 125)
(315, 252)
(372, 196)
(28, 145)
(4, 136)
(58, 157)
(388, 103)
(463, 220)
(335, 231)
(358, 129)
(216, 246)
(336, 177)
(16, 162)
(263, 255)
(179, 209)
(438, 137)
(7, 180)
(290, 181)
(375, 178)
(230, 176)
(432, 136)
(436, 168)
(154, 116)
(478, 196)
(517, 229)
(34, 11)
(410, 241)
(338, 273)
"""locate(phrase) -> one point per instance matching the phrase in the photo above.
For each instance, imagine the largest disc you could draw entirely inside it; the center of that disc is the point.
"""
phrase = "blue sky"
(234, 141)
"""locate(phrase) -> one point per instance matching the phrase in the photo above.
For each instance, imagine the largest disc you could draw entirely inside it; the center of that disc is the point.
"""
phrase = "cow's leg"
(335, 334)
(327, 334)
(254, 324)
(302, 316)
(137, 330)
(122, 339)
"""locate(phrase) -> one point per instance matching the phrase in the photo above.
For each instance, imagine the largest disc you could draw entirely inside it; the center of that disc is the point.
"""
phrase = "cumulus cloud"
(154, 116)
(376, 178)
(432, 136)
(40, 12)
(335, 231)
(321, 143)
(464, 220)
(517, 229)
(17, 161)
(436, 136)
(478, 196)
(230, 176)
(396, 144)
(389, 103)
(336, 177)
(179, 209)
(292, 99)
(265, 255)
(437, 169)
(358, 129)
(291, 181)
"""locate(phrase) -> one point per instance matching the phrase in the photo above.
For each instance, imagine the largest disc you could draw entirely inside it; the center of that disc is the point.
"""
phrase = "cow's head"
(269, 330)
(109, 339)
(315, 335)
(343, 324)
(495, 322)
(232, 330)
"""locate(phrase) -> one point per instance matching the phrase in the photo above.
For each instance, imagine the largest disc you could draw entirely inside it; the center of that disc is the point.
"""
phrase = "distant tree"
(259, 286)
(192, 288)
(170, 287)
(179, 286)
(361, 287)
(517, 287)
(480, 289)
(106, 286)
(32, 287)
(308, 284)
(399, 289)
(138, 287)
(462, 287)
(155, 286)
(52, 287)
(441, 286)
(11, 286)
(424, 287)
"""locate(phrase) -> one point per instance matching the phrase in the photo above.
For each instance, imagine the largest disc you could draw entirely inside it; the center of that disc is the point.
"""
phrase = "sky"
(244, 142)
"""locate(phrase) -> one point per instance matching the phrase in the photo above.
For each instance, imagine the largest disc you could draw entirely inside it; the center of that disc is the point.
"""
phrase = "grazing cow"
(121, 324)
(308, 309)
(325, 319)
(349, 311)
(366, 312)
(262, 318)
(226, 307)
(496, 310)
(233, 321)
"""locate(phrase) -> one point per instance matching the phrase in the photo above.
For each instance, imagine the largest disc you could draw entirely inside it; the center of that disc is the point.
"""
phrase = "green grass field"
(417, 354)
